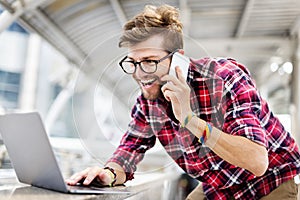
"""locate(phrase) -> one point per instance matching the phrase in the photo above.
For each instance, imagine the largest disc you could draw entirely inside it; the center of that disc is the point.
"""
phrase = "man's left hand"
(178, 92)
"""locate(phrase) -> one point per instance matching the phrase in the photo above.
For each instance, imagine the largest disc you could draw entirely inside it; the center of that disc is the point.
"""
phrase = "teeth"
(147, 81)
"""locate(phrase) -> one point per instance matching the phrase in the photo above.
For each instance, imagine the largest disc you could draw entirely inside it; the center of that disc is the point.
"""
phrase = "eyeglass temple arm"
(167, 56)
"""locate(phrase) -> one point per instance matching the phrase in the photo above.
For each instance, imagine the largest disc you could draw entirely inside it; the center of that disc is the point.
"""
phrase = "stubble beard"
(154, 93)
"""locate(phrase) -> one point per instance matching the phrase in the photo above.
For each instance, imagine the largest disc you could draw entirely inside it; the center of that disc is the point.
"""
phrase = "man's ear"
(181, 51)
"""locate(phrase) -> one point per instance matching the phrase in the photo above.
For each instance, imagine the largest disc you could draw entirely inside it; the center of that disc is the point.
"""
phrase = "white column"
(295, 108)
(30, 75)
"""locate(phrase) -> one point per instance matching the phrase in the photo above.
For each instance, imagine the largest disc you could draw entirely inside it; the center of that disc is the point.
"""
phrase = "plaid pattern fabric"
(224, 94)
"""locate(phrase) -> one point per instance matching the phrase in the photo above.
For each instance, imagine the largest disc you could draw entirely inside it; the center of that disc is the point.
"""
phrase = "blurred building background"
(60, 58)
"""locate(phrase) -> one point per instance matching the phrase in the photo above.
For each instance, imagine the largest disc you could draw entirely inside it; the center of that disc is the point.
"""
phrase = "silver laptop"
(32, 156)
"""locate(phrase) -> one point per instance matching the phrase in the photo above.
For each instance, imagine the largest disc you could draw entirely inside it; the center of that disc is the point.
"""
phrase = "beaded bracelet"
(206, 133)
(187, 119)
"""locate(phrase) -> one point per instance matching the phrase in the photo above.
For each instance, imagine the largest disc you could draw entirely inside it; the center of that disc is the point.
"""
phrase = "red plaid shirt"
(224, 94)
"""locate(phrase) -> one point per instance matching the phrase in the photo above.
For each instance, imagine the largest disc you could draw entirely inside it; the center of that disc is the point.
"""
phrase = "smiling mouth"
(147, 83)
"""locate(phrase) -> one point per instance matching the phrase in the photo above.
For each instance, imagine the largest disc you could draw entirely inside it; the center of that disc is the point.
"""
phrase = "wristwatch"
(113, 177)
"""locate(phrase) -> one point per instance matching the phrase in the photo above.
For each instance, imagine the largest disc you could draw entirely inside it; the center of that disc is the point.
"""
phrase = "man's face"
(150, 49)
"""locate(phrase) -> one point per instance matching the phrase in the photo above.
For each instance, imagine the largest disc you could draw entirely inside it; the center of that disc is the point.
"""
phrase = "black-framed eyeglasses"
(148, 66)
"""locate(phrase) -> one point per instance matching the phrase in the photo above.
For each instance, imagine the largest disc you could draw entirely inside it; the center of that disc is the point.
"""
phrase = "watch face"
(113, 175)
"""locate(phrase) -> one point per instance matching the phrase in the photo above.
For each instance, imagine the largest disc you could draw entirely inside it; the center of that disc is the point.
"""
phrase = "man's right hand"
(91, 174)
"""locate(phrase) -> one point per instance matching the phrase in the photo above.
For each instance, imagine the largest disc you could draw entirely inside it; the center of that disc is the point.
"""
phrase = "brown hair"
(162, 20)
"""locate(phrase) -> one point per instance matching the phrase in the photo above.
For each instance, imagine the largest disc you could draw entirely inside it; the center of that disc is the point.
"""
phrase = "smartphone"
(182, 61)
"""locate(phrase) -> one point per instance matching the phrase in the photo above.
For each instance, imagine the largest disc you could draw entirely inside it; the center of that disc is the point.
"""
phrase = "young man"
(213, 123)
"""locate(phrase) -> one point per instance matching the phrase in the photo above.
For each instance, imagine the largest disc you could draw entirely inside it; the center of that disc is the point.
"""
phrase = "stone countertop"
(144, 186)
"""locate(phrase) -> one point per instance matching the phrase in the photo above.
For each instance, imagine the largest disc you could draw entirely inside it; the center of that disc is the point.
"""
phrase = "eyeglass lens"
(148, 66)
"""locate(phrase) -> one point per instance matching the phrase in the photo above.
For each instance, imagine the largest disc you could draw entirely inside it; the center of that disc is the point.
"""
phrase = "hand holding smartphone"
(179, 60)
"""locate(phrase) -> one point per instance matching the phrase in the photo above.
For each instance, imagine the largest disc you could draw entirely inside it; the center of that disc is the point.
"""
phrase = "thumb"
(105, 178)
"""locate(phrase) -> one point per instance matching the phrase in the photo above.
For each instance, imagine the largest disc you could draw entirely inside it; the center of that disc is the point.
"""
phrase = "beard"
(154, 91)
(153, 94)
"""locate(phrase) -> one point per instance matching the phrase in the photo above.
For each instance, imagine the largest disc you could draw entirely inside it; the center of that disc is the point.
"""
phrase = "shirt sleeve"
(243, 105)
(135, 142)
